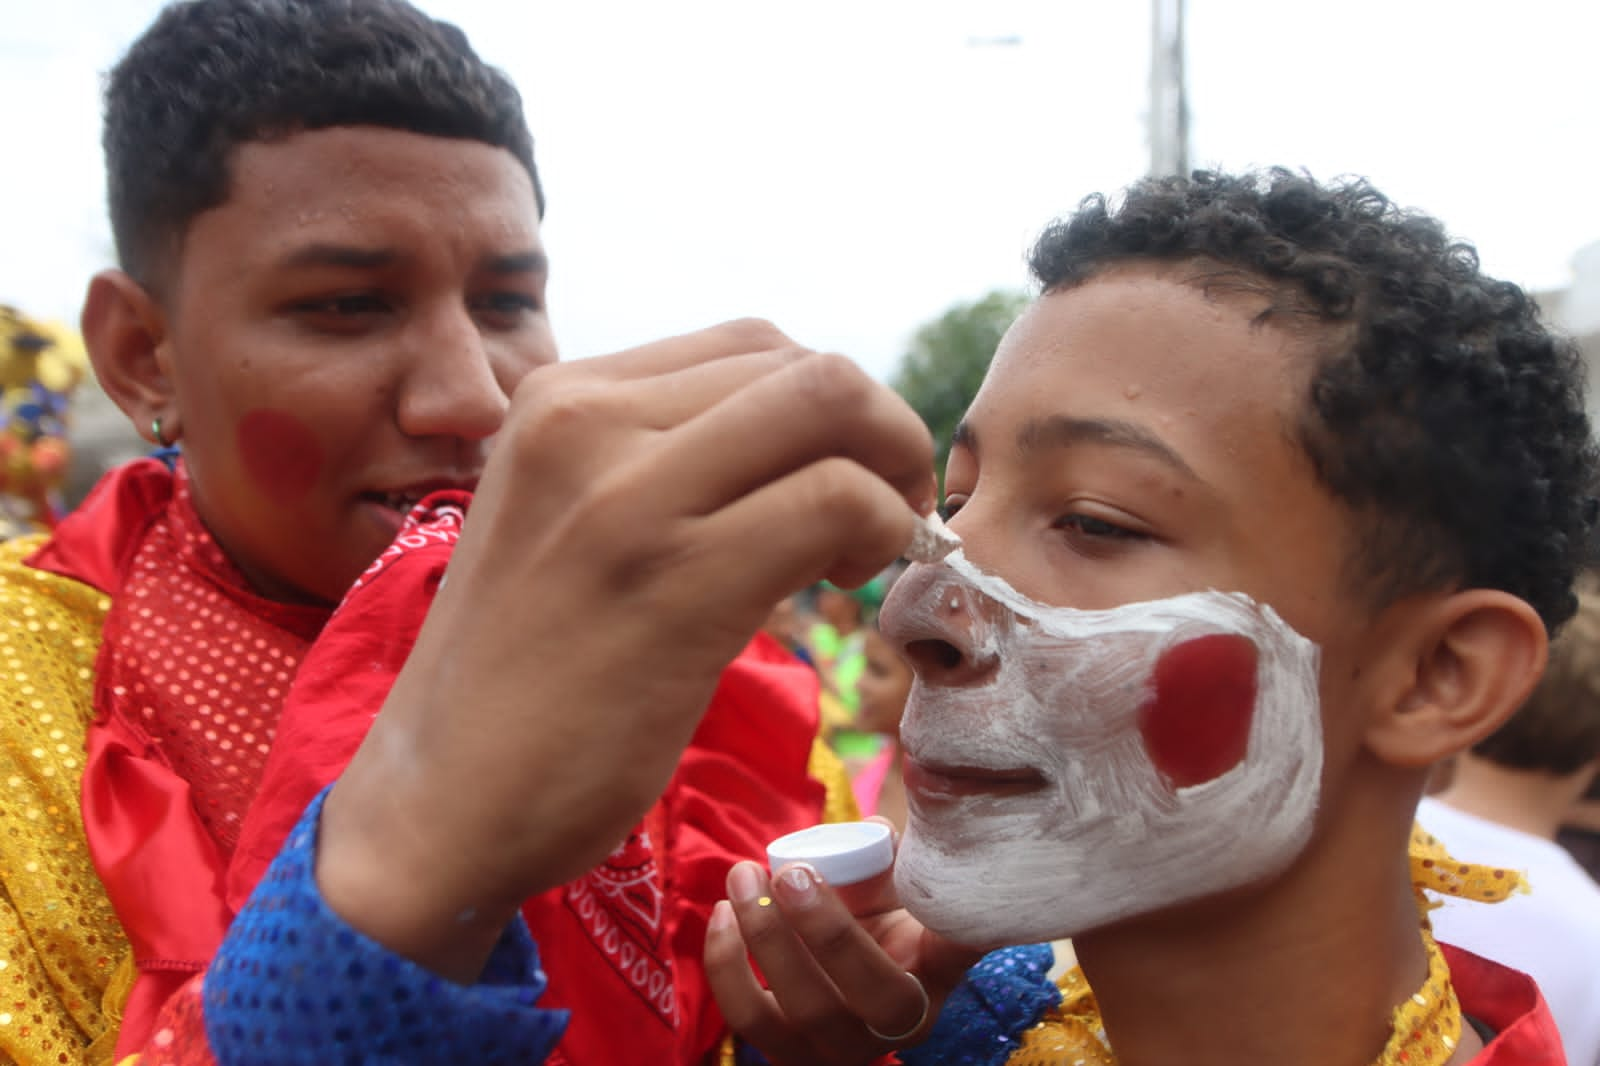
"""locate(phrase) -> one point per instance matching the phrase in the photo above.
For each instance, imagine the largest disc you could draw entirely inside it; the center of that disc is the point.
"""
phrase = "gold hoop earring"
(155, 431)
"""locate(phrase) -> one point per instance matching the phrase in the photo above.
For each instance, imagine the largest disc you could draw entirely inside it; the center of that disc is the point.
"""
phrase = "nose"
(451, 387)
(942, 626)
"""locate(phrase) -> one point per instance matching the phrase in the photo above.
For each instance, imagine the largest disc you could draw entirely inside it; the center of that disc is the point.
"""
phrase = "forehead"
(1199, 365)
(1140, 392)
(342, 184)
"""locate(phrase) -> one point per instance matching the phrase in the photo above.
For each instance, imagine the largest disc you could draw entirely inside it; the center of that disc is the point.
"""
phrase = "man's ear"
(1466, 662)
(124, 329)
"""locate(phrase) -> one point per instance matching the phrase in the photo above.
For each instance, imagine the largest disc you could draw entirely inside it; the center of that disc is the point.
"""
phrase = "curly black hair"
(209, 75)
(1440, 408)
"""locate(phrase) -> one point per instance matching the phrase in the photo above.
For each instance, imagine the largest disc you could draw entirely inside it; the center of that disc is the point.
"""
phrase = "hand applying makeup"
(849, 974)
(618, 492)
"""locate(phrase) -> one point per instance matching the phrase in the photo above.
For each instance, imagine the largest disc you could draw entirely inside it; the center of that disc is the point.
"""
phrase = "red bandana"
(622, 944)
(191, 685)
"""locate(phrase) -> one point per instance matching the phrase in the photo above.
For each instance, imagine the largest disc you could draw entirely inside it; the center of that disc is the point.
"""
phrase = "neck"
(1306, 969)
(1528, 800)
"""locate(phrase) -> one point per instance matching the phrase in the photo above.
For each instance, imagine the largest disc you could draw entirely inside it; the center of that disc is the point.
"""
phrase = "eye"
(357, 303)
(507, 308)
(1092, 535)
(349, 314)
(1090, 526)
(953, 502)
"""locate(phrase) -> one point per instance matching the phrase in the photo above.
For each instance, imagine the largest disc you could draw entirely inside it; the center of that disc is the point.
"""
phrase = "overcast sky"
(850, 168)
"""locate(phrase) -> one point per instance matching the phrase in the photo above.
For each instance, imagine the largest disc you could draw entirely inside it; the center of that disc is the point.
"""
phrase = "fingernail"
(744, 884)
(721, 916)
(800, 883)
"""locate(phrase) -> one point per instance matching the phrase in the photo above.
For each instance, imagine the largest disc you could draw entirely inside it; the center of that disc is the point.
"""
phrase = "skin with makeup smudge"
(1058, 786)
(280, 453)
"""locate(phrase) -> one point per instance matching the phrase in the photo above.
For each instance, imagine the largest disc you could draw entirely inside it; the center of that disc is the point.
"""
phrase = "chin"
(998, 882)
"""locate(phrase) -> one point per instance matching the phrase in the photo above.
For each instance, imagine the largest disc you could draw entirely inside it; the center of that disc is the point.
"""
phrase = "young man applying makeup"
(1269, 503)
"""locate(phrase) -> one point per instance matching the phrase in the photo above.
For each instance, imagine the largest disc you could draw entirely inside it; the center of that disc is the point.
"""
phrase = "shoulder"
(57, 929)
(51, 596)
(49, 627)
(49, 638)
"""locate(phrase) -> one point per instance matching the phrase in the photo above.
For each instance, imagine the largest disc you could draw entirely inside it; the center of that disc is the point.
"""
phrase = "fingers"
(748, 1008)
(738, 337)
(831, 519)
(805, 410)
(667, 401)
(818, 486)
(732, 420)
(873, 984)
(831, 984)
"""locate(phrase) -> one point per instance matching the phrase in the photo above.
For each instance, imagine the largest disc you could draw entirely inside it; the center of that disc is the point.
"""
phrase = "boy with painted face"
(1268, 504)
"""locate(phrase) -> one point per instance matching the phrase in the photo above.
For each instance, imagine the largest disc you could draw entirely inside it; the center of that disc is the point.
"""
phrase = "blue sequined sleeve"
(293, 983)
(1002, 997)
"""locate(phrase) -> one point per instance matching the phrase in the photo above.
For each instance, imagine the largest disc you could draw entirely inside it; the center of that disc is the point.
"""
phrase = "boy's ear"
(124, 329)
(1466, 661)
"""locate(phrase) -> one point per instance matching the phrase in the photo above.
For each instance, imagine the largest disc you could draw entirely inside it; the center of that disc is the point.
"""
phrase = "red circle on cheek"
(280, 454)
(1196, 723)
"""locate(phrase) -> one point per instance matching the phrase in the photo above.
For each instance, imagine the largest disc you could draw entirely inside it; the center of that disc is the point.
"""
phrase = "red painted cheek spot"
(1196, 723)
(280, 454)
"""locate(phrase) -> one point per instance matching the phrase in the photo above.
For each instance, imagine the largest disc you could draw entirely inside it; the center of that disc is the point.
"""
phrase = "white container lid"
(842, 852)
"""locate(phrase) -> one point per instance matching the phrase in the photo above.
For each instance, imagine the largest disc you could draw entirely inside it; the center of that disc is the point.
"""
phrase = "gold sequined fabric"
(839, 801)
(1070, 1033)
(60, 942)
(1425, 1027)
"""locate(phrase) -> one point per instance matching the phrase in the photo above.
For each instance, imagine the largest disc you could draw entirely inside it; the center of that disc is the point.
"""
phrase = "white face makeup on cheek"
(1081, 767)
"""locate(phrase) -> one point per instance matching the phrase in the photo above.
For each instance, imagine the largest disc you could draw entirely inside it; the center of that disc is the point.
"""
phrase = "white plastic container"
(842, 852)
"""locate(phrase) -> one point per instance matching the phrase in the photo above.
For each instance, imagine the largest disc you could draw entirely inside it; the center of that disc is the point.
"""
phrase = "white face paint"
(1081, 767)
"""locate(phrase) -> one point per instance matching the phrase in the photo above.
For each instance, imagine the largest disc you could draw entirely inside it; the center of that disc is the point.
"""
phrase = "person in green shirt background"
(836, 645)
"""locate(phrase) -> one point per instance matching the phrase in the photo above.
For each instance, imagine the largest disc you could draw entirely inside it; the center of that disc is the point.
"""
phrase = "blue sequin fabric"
(293, 983)
(1003, 996)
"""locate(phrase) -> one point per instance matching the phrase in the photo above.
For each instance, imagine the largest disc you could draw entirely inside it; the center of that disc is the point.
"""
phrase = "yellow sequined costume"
(61, 947)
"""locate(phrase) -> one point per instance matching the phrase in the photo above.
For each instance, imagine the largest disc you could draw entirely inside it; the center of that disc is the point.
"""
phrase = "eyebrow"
(530, 262)
(339, 255)
(1065, 431)
(355, 258)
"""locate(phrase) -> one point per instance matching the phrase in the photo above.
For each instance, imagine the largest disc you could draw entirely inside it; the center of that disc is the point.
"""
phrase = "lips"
(403, 498)
(954, 782)
(395, 501)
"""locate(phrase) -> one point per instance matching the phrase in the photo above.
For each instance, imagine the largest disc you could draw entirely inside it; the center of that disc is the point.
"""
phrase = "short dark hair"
(210, 75)
(1557, 730)
(1440, 409)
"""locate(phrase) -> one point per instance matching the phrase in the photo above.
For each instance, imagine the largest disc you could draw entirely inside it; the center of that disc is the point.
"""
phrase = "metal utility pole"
(1169, 101)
